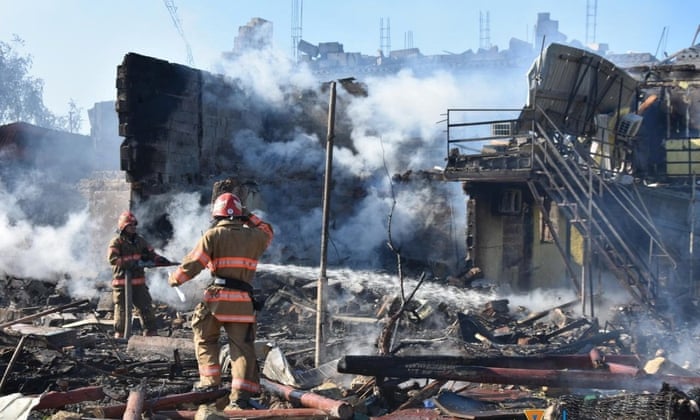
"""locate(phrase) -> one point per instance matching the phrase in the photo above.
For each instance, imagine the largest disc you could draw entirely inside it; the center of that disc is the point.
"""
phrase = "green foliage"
(21, 95)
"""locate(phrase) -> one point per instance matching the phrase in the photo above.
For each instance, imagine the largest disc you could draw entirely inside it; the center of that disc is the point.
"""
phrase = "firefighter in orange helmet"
(130, 251)
(230, 249)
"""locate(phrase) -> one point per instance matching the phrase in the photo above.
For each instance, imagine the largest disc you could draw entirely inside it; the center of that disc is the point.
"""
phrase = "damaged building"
(589, 188)
(185, 129)
(592, 183)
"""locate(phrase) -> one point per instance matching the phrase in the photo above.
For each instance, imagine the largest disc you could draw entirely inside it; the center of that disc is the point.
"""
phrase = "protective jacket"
(230, 250)
(125, 252)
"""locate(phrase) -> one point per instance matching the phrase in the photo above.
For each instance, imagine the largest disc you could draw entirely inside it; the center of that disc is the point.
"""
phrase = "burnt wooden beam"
(11, 364)
(529, 377)
(55, 337)
(541, 314)
(426, 392)
(568, 327)
(409, 366)
(42, 313)
(140, 346)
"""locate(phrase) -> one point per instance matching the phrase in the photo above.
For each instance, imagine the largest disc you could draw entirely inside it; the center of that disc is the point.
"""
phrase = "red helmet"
(125, 219)
(227, 205)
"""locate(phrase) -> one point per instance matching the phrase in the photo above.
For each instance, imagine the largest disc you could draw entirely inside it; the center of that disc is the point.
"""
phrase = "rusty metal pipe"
(272, 414)
(339, 409)
(135, 403)
(58, 399)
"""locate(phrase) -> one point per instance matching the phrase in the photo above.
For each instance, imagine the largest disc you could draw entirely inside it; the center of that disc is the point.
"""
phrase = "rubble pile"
(58, 358)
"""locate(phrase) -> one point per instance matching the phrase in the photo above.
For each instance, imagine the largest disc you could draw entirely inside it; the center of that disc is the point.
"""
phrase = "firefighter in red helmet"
(230, 249)
(130, 251)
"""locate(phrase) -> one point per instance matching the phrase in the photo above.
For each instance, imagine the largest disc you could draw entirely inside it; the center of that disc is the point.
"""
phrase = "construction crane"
(170, 5)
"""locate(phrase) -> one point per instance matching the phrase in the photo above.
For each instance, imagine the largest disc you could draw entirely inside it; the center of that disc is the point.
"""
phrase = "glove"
(254, 220)
(172, 281)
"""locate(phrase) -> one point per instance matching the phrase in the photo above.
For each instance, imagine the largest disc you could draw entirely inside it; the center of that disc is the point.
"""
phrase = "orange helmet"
(125, 219)
(227, 205)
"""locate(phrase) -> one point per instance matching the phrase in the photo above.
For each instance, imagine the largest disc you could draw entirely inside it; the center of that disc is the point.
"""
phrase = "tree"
(71, 122)
(21, 95)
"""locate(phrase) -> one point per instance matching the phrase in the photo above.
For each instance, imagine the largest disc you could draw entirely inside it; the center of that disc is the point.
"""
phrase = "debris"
(337, 409)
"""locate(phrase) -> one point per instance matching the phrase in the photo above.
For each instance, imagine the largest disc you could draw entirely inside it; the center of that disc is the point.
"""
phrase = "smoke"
(396, 128)
(267, 75)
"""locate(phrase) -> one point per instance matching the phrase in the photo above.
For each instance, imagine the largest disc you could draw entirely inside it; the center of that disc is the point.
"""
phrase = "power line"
(170, 5)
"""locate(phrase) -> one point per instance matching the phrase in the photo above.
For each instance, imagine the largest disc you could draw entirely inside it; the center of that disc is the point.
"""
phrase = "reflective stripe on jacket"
(124, 252)
(230, 249)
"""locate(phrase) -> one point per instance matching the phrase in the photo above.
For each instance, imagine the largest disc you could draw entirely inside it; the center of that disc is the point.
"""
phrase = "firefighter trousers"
(245, 377)
(141, 299)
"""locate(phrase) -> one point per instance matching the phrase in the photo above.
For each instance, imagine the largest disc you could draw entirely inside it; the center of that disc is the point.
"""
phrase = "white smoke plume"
(398, 127)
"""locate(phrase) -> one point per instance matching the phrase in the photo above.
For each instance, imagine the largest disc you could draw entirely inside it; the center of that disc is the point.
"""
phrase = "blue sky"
(76, 45)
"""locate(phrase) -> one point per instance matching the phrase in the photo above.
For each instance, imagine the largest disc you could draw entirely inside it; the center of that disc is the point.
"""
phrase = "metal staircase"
(607, 214)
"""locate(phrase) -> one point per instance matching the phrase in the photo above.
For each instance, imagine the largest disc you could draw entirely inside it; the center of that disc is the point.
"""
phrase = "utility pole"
(321, 307)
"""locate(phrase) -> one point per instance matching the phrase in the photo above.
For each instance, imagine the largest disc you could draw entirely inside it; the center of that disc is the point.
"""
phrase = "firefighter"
(129, 251)
(230, 249)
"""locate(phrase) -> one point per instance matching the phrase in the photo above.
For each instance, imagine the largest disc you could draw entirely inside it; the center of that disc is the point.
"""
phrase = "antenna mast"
(484, 31)
(591, 13)
(385, 36)
(297, 15)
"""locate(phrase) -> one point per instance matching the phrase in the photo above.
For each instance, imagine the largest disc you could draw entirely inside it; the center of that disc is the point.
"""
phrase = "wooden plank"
(92, 320)
(140, 346)
(55, 336)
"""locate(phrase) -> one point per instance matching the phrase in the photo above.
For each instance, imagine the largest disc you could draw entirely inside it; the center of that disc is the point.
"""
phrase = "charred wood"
(425, 393)
(522, 376)
(412, 366)
(42, 313)
(386, 337)
(11, 365)
(538, 315)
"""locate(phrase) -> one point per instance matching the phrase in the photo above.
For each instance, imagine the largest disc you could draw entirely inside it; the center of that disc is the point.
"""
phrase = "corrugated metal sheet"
(573, 85)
